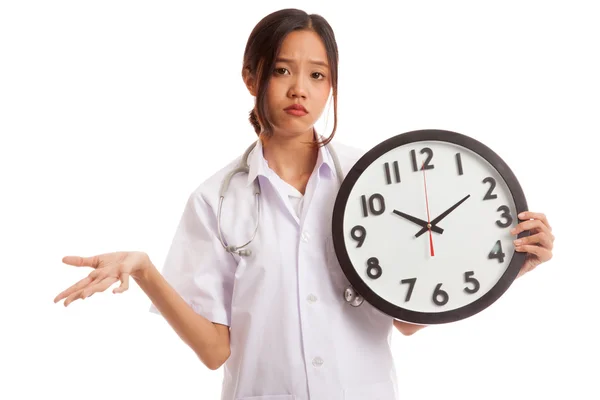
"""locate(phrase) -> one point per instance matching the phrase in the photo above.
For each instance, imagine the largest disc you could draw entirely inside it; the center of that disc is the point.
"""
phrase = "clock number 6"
(440, 297)
(362, 234)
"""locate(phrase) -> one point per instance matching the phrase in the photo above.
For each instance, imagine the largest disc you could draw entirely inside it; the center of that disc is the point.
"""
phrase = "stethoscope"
(350, 294)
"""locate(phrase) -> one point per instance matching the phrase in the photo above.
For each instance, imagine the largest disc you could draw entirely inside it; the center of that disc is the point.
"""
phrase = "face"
(300, 77)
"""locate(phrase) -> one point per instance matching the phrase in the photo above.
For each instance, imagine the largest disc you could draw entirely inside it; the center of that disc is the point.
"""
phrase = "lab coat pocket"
(372, 391)
(270, 397)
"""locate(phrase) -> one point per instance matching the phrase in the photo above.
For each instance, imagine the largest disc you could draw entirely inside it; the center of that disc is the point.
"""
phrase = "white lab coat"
(293, 336)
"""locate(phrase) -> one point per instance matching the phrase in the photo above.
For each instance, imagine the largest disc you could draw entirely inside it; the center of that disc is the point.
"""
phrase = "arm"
(406, 328)
(209, 341)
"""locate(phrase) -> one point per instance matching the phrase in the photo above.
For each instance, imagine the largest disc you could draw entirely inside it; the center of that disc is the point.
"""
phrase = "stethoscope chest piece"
(352, 297)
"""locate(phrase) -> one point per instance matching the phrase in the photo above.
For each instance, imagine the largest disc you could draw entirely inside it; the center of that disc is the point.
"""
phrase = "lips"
(296, 109)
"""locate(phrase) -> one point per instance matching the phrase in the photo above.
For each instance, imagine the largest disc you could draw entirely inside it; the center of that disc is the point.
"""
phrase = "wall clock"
(421, 227)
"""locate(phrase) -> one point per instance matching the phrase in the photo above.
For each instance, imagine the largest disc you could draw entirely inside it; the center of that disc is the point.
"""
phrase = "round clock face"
(421, 226)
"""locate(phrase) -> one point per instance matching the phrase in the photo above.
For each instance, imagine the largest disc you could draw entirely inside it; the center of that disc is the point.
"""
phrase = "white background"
(106, 113)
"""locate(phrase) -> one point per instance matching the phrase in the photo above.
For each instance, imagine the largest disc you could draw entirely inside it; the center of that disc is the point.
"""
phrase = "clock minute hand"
(442, 216)
(418, 221)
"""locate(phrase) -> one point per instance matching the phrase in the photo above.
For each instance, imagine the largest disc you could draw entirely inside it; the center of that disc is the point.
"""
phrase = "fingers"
(533, 215)
(75, 288)
(72, 297)
(88, 286)
(124, 284)
(542, 238)
(100, 286)
(105, 273)
(81, 261)
(94, 276)
(90, 289)
(542, 253)
(534, 225)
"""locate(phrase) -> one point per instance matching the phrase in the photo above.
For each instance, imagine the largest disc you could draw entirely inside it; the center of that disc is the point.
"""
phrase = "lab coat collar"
(257, 165)
(324, 158)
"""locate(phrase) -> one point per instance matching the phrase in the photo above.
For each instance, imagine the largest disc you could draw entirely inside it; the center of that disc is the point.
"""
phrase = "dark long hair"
(262, 48)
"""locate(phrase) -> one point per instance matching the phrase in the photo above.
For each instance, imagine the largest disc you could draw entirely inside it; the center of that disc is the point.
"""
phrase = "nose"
(298, 88)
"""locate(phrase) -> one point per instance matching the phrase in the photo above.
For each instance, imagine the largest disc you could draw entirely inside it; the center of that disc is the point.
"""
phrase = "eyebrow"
(316, 62)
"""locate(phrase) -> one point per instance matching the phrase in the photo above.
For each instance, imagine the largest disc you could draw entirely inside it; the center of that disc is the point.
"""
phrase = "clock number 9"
(362, 234)
(373, 265)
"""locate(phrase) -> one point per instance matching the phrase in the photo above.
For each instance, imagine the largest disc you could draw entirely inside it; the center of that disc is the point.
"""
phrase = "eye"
(281, 71)
(318, 75)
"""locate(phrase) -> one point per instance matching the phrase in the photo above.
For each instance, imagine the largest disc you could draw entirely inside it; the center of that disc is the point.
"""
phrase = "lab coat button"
(317, 361)
(311, 298)
(305, 236)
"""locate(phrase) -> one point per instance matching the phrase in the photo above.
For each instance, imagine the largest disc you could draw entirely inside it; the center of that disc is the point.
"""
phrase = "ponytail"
(254, 121)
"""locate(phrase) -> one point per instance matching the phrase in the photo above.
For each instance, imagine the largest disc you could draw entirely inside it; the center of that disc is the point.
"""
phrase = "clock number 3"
(505, 214)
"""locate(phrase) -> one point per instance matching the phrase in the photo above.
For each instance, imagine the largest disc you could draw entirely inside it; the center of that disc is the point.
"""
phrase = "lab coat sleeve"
(197, 265)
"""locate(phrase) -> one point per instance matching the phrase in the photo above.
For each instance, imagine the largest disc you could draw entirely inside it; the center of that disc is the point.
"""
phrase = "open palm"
(108, 269)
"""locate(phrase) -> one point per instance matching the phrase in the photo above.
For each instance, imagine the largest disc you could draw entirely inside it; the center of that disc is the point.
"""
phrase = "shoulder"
(346, 150)
(207, 191)
(347, 154)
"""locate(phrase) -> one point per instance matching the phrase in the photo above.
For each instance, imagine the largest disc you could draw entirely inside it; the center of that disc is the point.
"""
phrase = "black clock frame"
(425, 318)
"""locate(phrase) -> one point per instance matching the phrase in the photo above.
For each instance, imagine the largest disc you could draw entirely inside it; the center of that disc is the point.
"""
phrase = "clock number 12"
(426, 165)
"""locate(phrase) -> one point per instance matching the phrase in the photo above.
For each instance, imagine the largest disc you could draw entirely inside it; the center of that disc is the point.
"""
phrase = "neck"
(292, 158)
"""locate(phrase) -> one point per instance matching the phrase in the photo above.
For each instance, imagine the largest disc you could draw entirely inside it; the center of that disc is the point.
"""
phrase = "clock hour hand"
(418, 221)
(442, 216)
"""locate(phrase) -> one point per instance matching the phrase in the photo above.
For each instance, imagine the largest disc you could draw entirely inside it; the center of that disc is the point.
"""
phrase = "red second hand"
(428, 217)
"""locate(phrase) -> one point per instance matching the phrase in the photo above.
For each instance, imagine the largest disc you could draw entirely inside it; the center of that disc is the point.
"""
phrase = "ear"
(250, 81)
